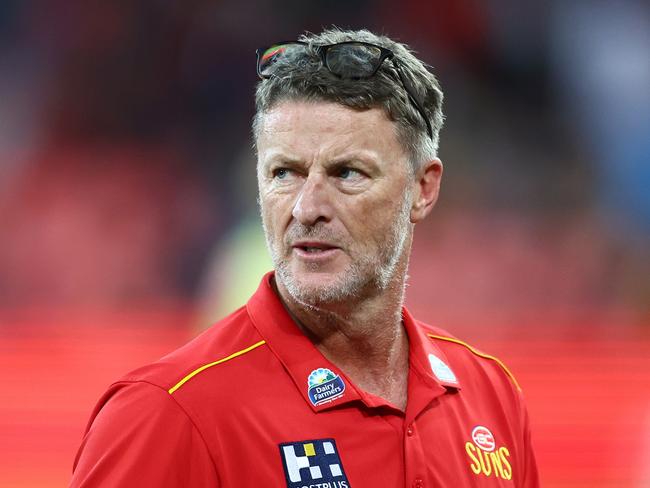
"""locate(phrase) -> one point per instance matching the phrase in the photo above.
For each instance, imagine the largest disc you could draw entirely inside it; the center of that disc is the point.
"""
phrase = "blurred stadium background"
(128, 219)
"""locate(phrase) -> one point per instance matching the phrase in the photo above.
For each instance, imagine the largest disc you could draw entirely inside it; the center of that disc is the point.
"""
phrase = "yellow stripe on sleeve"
(480, 354)
(209, 365)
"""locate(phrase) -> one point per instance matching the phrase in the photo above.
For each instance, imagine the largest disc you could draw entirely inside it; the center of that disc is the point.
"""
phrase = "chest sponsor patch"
(486, 456)
(324, 386)
(313, 464)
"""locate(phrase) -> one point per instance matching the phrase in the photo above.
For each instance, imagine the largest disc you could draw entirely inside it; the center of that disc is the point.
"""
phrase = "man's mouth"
(311, 249)
(314, 247)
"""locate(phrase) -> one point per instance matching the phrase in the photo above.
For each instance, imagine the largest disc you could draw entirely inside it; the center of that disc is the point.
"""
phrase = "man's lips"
(313, 246)
(314, 249)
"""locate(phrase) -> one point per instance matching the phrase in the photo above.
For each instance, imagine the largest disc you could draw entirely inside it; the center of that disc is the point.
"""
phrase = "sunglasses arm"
(411, 94)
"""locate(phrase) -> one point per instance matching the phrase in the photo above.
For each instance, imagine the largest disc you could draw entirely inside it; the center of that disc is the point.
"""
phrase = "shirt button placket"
(417, 482)
(410, 430)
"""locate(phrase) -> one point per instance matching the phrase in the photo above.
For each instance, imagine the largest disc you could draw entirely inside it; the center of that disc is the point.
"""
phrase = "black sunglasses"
(350, 60)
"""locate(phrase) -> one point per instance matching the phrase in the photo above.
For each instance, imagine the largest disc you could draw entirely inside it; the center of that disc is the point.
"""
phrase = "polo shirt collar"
(430, 375)
(320, 382)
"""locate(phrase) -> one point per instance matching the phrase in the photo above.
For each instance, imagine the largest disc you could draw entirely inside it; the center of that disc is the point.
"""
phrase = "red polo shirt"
(251, 403)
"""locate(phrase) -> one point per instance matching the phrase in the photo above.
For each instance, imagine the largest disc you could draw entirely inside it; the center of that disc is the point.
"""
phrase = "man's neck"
(364, 338)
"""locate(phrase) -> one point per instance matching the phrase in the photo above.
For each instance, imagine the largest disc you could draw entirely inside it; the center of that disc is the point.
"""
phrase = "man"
(323, 379)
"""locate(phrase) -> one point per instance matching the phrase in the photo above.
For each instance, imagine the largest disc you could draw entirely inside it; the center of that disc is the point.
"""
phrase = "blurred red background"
(128, 216)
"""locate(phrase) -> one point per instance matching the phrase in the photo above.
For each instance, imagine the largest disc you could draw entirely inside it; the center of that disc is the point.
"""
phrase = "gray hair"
(303, 77)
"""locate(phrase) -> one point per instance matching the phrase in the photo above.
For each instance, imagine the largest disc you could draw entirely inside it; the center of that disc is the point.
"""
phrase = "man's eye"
(280, 173)
(347, 173)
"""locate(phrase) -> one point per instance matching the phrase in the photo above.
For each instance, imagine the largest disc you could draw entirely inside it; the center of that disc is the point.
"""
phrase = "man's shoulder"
(227, 339)
(468, 360)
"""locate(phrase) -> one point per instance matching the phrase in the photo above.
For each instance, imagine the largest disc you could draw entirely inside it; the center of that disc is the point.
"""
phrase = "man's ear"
(426, 187)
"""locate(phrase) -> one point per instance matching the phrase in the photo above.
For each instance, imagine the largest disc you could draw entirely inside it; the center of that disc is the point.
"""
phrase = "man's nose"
(313, 202)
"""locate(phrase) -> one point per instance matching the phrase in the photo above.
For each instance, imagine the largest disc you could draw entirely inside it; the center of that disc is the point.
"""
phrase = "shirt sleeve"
(530, 477)
(141, 437)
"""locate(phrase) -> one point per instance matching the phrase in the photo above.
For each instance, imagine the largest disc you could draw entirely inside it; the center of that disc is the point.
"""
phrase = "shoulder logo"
(441, 370)
(486, 457)
(313, 463)
(324, 386)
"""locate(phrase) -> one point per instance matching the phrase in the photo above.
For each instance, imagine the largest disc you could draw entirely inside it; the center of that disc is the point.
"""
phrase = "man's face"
(335, 199)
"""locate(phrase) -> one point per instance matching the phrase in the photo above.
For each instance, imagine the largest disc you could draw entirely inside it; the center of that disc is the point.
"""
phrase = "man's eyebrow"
(366, 158)
(280, 156)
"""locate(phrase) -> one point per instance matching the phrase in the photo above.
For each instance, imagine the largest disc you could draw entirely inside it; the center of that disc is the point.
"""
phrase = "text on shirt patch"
(486, 457)
(324, 386)
(313, 464)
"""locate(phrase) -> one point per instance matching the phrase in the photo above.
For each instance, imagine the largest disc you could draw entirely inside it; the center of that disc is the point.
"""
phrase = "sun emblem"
(320, 376)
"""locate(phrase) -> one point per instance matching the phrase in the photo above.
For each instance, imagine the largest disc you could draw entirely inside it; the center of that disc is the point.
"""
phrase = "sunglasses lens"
(353, 60)
(269, 57)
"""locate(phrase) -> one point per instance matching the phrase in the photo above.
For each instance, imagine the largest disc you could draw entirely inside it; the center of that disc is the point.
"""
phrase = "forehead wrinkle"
(308, 147)
(289, 115)
(304, 133)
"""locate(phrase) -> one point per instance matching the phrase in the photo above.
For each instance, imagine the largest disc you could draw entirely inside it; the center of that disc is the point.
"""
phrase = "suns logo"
(486, 458)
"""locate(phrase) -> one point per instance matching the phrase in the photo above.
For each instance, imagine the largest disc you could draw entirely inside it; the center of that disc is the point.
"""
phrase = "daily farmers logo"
(486, 458)
(324, 386)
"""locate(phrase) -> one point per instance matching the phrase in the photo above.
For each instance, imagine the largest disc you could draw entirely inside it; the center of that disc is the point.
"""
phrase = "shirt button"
(410, 431)
(418, 483)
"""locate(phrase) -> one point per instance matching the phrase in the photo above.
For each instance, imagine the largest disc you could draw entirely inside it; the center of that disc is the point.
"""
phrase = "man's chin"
(318, 288)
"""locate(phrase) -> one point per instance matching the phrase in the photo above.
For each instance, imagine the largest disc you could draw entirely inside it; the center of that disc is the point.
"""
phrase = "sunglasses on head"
(351, 60)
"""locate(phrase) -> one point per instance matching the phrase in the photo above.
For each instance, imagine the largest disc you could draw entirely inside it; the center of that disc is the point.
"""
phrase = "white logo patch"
(441, 370)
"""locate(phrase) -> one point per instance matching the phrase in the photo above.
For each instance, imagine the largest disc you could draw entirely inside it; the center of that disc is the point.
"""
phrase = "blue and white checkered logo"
(313, 463)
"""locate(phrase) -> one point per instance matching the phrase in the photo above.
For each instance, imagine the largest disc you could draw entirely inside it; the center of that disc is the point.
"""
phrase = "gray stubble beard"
(363, 274)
